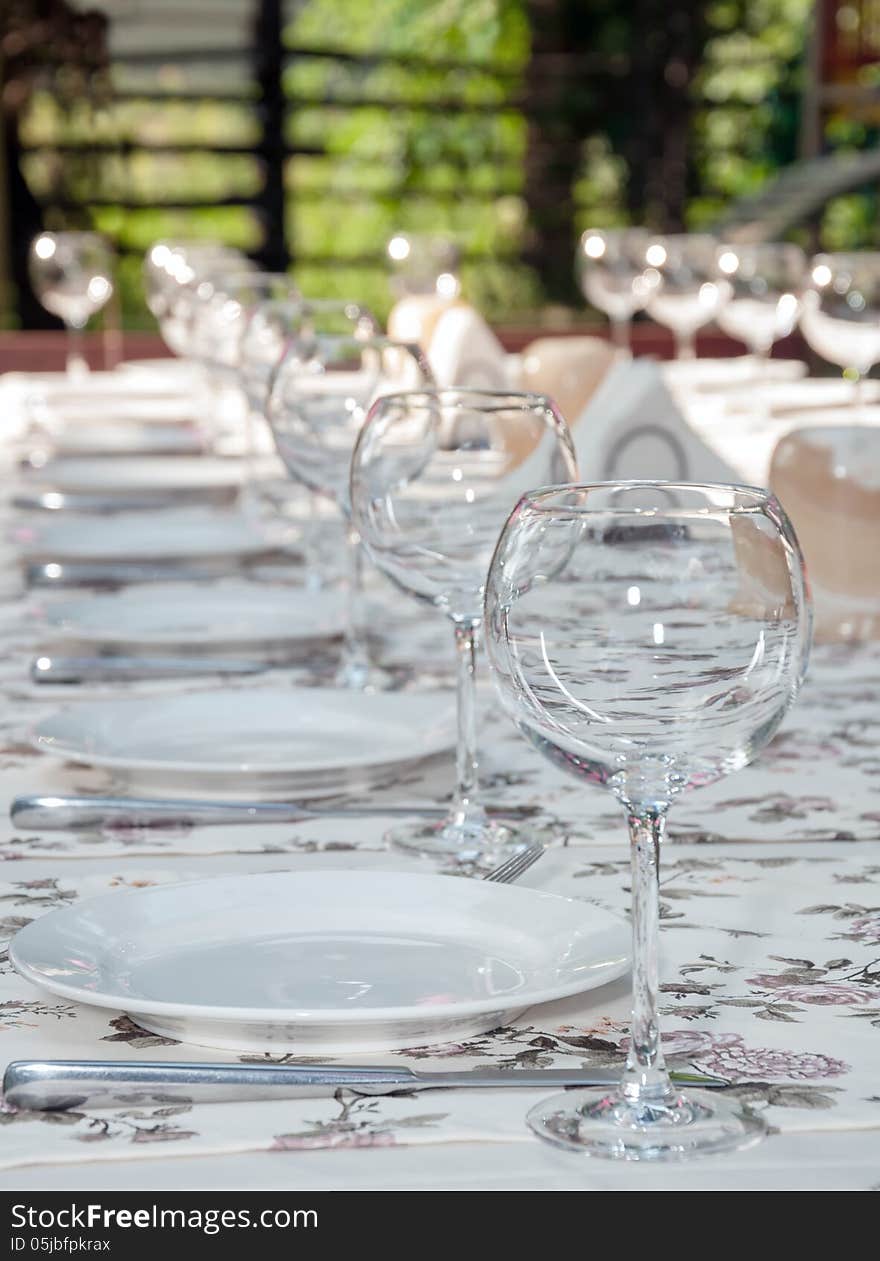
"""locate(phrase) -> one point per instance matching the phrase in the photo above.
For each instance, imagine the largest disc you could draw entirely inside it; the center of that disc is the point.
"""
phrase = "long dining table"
(770, 963)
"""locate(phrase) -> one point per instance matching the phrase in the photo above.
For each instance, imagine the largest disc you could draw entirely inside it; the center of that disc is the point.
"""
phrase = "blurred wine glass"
(423, 264)
(841, 313)
(275, 327)
(72, 275)
(320, 396)
(172, 272)
(433, 477)
(685, 291)
(765, 282)
(611, 270)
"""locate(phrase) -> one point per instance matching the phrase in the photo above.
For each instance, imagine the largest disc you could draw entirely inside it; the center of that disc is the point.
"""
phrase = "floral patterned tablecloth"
(771, 921)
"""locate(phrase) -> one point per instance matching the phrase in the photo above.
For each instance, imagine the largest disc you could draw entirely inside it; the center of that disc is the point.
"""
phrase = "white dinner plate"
(713, 374)
(249, 739)
(127, 440)
(323, 962)
(229, 613)
(789, 398)
(143, 536)
(127, 403)
(126, 474)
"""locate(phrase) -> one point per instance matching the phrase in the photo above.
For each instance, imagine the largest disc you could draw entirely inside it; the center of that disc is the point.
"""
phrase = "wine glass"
(648, 637)
(320, 396)
(172, 274)
(766, 282)
(611, 269)
(226, 302)
(841, 313)
(276, 326)
(433, 476)
(684, 291)
(72, 275)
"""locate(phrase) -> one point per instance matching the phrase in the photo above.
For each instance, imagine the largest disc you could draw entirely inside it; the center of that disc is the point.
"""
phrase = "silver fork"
(512, 868)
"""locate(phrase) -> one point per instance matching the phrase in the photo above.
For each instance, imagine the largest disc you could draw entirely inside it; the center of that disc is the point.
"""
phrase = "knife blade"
(58, 1085)
(95, 814)
(110, 669)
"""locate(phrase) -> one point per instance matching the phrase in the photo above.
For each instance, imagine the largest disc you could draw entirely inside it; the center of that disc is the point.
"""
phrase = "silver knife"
(118, 574)
(93, 814)
(46, 669)
(67, 501)
(54, 1085)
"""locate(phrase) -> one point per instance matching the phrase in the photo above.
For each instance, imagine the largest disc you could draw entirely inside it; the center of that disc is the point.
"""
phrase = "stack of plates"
(234, 742)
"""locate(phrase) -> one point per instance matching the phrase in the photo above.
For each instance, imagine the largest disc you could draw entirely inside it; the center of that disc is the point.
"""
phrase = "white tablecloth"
(770, 960)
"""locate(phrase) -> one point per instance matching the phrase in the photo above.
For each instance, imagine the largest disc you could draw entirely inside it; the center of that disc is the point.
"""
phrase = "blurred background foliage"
(403, 115)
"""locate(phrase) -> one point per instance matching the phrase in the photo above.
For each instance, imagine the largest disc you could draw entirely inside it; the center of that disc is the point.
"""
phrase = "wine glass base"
(474, 842)
(362, 676)
(695, 1123)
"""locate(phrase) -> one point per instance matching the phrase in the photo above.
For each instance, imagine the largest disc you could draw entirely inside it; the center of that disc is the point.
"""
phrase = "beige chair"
(828, 481)
(569, 369)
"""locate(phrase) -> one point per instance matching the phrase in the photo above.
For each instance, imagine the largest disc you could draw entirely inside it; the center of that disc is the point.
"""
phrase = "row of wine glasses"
(757, 293)
(647, 637)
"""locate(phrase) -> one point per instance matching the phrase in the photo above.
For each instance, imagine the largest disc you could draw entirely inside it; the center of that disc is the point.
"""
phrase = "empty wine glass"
(226, 301)
(172, 273)
(648, 637)
(276, 326)
(841, 313)
(320, 396)
(684, 289)
(433, 476)
(162, 261)
(611, 269)
(72, 275)
(766, 282)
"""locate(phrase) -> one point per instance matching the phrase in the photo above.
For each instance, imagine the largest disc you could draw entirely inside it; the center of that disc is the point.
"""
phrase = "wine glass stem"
(621, 333)
(77, 366)
(685, 345)
(645, 1079)
(466, 801)
(355, 650)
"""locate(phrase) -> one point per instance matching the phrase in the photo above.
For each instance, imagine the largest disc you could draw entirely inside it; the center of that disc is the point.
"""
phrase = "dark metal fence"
(643, 98)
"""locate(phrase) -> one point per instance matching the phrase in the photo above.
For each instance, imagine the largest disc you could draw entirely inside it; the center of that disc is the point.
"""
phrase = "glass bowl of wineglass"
(611, 270)
(320, 396)
(766, 281)
(279, 327)
(649, 638)
(684, 289)
(72, 275)
(841, 313)
(433, 476)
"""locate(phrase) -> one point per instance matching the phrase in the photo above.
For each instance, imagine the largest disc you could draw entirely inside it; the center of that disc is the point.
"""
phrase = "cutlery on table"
(89, 814)
(119, 574)
(55, 1085)
(48, 669)
(65, 501)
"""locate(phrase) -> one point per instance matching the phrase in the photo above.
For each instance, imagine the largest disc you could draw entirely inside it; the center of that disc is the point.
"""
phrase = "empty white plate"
(143, 536)
(235, 740)
(713, 374)
(323, 962)
(229, 613)
(139, 473)
(127, 440)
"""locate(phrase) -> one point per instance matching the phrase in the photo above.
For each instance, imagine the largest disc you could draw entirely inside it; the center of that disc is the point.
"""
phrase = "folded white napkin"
(632, 428)
(464, 351)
